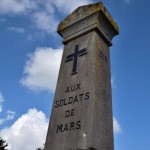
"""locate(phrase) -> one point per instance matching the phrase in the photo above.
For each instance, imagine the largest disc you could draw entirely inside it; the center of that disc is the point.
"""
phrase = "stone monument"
(81, 117)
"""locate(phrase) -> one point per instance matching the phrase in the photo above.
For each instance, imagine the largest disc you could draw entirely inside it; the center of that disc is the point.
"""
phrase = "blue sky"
(30, 53)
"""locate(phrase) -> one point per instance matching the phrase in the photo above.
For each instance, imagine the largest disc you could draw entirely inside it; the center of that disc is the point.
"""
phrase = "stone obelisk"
(81, 117)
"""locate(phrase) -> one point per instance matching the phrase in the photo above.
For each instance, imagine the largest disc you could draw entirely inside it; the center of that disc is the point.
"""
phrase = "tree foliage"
(3, 144)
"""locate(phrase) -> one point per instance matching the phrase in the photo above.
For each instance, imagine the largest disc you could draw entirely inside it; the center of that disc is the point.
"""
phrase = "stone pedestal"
(81, 117)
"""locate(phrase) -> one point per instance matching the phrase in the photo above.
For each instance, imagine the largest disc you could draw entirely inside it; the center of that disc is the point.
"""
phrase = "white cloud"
(41, 69)
(10, 116)
(45, 22)
(116, 126)
(15, 6)
(24, 6)
(17, 29)
(1, 101)
(41, 13)
(28, 132)
(69, 6)
(46, 19)
(8, 6)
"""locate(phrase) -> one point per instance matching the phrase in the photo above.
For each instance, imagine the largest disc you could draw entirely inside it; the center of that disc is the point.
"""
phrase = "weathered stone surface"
(85, 11)
(81, 117)
(88, 18)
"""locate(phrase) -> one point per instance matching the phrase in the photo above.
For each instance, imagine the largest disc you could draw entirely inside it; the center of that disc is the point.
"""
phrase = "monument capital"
(93, 17)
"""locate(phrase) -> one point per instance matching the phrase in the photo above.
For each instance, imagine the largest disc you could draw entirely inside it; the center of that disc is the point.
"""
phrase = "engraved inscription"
(103, 56)
(74, 57)
(73, 88)
(72, 99)
(70, 112)
(68, 127)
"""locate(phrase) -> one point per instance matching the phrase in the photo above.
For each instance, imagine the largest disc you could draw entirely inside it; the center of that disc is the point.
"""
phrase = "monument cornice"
(85, 19)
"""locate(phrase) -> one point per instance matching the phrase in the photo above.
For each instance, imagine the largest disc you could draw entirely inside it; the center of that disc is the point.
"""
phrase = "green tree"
(3, 144)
